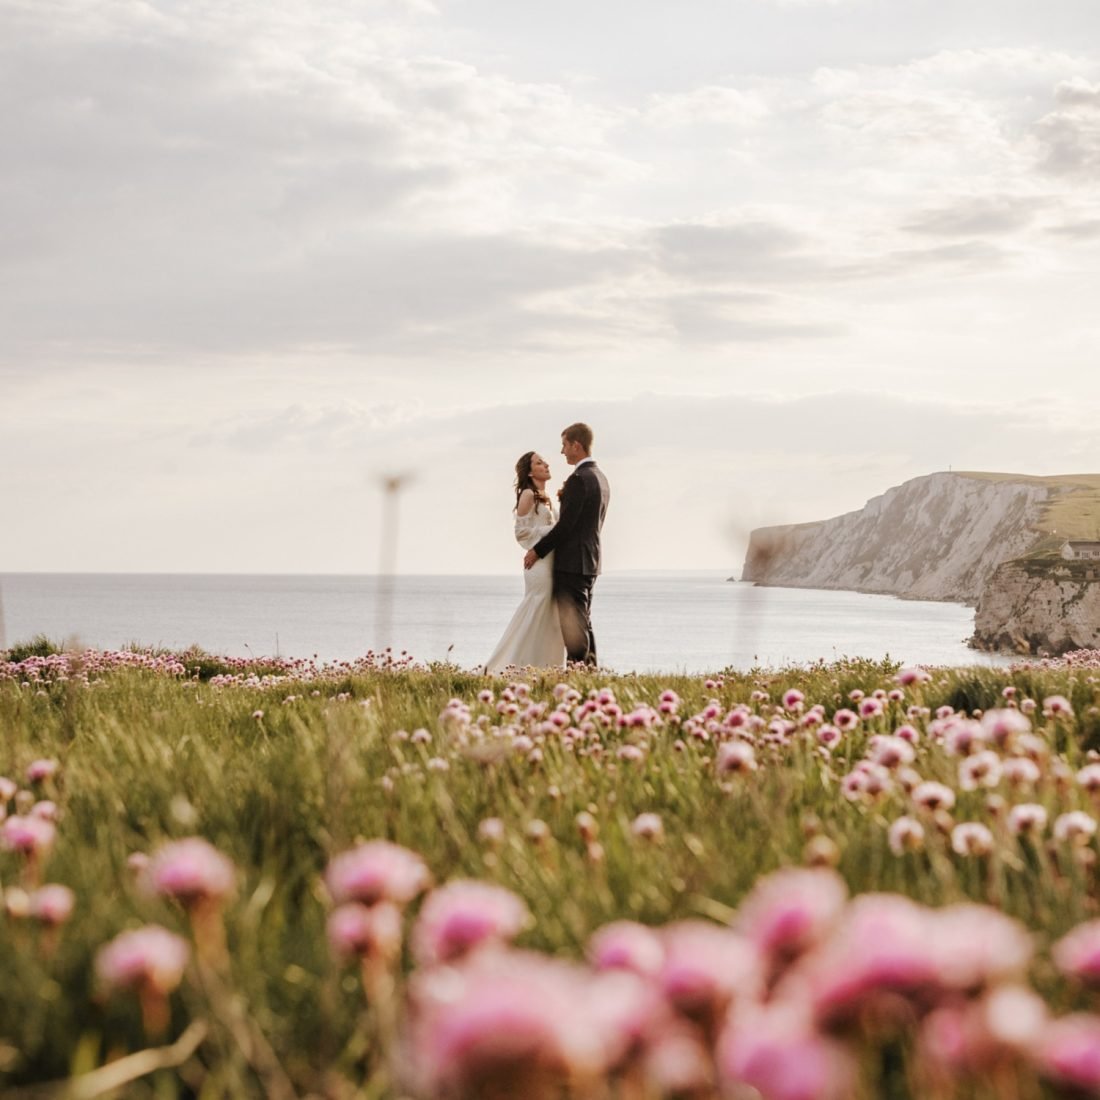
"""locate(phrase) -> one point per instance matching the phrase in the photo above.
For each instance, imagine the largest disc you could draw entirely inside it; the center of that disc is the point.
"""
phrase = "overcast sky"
(782, 254)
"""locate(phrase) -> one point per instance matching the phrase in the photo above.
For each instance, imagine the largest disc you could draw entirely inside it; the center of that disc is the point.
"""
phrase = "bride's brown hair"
(523, 479)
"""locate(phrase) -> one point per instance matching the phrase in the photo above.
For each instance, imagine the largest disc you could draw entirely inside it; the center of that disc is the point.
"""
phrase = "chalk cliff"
(991, 540)
(937, 537)
(1040, 606)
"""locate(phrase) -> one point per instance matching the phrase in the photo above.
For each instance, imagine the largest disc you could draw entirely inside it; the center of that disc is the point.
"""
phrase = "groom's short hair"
(579, 433)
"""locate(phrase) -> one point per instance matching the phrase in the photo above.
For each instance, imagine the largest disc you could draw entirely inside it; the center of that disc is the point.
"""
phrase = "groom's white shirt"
(583, 461)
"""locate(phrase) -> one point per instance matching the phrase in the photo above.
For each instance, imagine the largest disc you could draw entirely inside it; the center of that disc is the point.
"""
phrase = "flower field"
(380, 880)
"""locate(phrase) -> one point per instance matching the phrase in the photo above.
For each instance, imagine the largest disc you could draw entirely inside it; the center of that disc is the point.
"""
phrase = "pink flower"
(40, 770)
(1077, 953)
(793, 699)
(983, 769)
(1068, 1051)
(870, 708)
(627, 945)
(1027, 818)
(648, 826)
(881, 948)
(891, 752)
(735, 758)
(790, 911)
(7, 789)
(971, 838)
(377, 871)
(909, 676)
(776, 1051)
(505, 1023)
(705, 967)
(463, 915)
(1089, 778)
(360, 931)
(191, 871)
(977, 946)
(45, 809)
(933, 796)
(33, 836)
(1020, 772)
(52, 904)
(845, 719)
(1001, 726)
(906, 834)
(1076, 827)
(828, 736)
(1057, 706)
(149, 957)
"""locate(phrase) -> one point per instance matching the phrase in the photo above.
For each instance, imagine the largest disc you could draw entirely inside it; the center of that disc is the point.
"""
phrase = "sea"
(689, 622)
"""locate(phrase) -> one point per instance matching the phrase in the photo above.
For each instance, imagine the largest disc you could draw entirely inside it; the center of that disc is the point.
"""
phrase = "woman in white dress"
(533, 637)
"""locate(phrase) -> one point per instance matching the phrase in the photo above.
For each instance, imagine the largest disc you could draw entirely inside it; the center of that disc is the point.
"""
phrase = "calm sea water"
(691, 622)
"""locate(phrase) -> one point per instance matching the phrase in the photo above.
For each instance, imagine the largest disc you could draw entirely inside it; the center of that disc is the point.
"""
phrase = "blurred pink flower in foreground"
(1077, 827)
(648, 826)
(705, 968)
(976, 946)
(377, 871)
(150, 956)
(504, 1023)
(906, 834)
(40, 770)
(1078, 952)
(462, 915)
(971, 838)
(1068, 1051)
(360, 931)
(777, 1052)
(192, 871)
(33, 836)
(627, 945)
(790, 911)
(52, 904)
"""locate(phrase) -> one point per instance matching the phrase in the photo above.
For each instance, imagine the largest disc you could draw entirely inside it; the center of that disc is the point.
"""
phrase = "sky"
(259, 256)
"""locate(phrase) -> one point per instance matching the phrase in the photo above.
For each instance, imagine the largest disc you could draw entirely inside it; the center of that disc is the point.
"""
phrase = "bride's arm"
(529, 525)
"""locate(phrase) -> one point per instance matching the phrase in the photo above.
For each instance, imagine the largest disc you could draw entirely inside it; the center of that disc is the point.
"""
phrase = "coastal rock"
(938, 537)
(1040, 606)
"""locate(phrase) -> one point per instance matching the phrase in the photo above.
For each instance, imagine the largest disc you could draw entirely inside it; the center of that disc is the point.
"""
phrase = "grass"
(145, 757)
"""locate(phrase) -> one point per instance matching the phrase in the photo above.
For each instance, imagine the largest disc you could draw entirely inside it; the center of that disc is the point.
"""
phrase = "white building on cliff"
(1075, 550)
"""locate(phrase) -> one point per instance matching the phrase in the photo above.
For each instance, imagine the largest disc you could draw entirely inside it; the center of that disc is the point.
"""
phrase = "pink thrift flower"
(33, 836)
(933, 796)
(1057, 706)
(648, 826)
(829, 736)
(790, 911)
(977, 946)
(705, 967)
(1068, 1052)
(463, 915)
(845, 719)
(52, 904)
(906, 834)
(46, 810)
(1019, 771)
(359, 931)
(191, 871)
(778, 1053)
(1089, 778)
(1027, 818)
(793, 699)
(1003, 726)
(870, 708)
(891, 752)
(882, 948)
(1075, 827)
(38, 771)
(7, 789)
(735, 758)
(909, 676)
(377, 871)
(150, 957)
(983, 769)
(971, 838)
(1077, 954)
(627, 945)
(503, 1023)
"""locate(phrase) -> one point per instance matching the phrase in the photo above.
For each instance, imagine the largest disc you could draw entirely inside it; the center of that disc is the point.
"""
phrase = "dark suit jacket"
(575, 538)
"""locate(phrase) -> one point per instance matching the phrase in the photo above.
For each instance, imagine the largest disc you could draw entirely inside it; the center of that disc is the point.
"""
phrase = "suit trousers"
(573, 596)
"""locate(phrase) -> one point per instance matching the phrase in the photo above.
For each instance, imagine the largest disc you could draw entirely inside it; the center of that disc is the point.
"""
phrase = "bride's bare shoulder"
(525, 503)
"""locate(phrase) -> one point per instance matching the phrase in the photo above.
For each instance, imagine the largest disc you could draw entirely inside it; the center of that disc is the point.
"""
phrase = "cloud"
(977, 215)
(1070, 134)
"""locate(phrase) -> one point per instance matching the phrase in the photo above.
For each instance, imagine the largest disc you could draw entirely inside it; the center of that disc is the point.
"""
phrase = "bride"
(533, 637)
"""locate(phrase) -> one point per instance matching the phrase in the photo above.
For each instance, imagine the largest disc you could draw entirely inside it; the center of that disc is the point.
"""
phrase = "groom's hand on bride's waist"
(529, 559)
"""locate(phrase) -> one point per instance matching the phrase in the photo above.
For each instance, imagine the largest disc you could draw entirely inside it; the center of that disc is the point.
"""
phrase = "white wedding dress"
(533, 637)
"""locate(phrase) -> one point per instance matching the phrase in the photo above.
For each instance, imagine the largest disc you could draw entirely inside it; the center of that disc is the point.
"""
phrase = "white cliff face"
(938, 537)
(1040, 607)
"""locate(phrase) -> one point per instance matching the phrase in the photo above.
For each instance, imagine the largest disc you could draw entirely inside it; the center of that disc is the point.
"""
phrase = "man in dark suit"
(575, 540)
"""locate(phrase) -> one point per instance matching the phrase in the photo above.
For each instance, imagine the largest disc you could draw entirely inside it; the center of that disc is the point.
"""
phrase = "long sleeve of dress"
(532, 527)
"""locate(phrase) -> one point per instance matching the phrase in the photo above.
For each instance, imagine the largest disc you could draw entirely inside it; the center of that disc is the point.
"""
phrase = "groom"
(575, 539)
